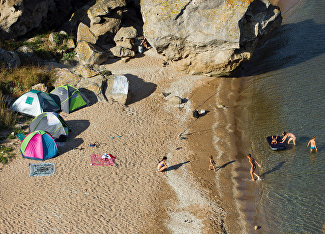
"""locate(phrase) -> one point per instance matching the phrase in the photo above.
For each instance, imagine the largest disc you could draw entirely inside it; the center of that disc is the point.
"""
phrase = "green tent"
(69, 98)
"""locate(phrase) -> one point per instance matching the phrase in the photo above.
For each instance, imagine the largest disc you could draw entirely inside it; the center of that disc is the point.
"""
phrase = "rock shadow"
(175, 167)
(90, 96)
(77, 127)
(69, 145)
(277, 167)
(138, 89)
(287, 46)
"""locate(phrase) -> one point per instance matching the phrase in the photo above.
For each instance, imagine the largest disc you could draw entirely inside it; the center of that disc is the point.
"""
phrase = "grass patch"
(7, 117)
(6, 154)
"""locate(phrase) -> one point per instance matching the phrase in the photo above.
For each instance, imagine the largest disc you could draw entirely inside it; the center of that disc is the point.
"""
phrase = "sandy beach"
(129, 198)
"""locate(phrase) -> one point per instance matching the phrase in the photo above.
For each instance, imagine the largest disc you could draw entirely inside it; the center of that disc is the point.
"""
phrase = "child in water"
(253, 163)
(212, 165)
(312, 144)
(291, 137)
(274, 141)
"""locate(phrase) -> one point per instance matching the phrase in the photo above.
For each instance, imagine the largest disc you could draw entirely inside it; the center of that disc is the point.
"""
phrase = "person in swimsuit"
(289, 135)
(253, 163)
(312, 144)
(162, 165)
(212, 165)
(274, 140)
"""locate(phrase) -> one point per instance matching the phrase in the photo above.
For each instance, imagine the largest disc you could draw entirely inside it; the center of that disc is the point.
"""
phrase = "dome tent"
(38, 145)
(52, 123)
(69, 97)
(34, 103)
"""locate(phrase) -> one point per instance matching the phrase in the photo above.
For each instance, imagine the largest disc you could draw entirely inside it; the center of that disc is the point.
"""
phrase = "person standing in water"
(162, 165)
(291, 136)
(253, 163)
(312, 144)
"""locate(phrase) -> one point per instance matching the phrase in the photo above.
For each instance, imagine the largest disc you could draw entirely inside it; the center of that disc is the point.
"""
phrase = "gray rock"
(27, 55)
(210, 37)
(117, 88)
(10, 58)
(125, 33)
(85, 34)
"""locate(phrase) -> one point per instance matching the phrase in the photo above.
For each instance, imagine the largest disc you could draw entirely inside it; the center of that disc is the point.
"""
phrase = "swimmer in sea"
(274, 141)
(312, 144)
(162, 165)
(290, 136)
(253, 163)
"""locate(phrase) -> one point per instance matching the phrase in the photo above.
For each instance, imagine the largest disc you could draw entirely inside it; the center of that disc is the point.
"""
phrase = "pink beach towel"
(97, 160)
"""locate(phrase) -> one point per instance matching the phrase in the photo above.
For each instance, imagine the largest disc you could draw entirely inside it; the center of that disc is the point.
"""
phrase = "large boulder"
(117, 88)
(9, 58)
(209, 37)
(20, 17)
(88, 53)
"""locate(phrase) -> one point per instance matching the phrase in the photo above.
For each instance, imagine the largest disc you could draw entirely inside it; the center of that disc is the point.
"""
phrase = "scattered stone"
(175, 100)
(27, 55)
(86, 71)
(10, 58)
(70, 43)
(165, 94)
(41, 87)
(221, 106)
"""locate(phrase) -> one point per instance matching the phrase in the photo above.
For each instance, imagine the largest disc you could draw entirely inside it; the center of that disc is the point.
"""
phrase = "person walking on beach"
(253, 163)
(212, 165)
(289, 135)
(312, 144)
(162, 165)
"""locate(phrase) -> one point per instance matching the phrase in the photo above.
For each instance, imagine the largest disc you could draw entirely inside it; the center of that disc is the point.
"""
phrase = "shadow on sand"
(139, 89)
(175, 167)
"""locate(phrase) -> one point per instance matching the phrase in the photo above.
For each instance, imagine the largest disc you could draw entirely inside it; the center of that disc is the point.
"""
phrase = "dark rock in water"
(207, 37)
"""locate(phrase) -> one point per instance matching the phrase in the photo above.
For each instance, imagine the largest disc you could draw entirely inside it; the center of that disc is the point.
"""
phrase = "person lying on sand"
(291, 137)
(312, 144)
(162, 165)
(253, 163)
(212, 165)
(274, 140)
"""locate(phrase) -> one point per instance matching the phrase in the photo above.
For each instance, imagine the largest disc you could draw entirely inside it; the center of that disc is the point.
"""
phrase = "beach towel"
(41, 169)
(97, 160)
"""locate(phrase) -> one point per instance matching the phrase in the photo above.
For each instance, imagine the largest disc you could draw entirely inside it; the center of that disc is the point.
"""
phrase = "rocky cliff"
(207, 37)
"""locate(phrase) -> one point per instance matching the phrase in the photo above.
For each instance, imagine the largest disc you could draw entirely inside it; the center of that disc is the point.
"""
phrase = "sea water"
(285, 85)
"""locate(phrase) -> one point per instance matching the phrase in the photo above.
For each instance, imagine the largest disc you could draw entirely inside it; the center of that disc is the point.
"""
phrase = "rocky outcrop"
(96, 85)
(207, 37)
(9, 58)
(41, 87)
(19, 17)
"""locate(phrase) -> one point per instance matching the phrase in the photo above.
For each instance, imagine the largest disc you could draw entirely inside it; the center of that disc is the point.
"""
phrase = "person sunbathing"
(162, 165)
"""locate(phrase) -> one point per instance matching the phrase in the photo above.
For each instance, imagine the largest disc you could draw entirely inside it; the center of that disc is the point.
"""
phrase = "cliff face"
(209, 37)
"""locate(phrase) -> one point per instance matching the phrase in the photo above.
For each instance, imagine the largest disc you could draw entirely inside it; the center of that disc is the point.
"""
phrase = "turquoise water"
(286, 85)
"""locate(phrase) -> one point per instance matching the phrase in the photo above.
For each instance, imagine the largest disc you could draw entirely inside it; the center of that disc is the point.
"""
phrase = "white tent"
(34, 103)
